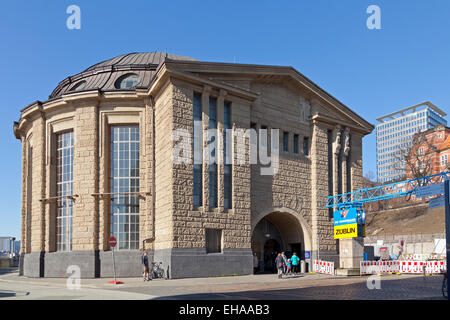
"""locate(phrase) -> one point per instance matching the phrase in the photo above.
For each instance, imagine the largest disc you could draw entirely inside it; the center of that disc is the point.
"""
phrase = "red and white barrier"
(402, 266)
(325, 267)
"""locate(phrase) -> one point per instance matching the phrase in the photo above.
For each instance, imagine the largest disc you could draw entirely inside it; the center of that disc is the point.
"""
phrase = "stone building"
(98, 160)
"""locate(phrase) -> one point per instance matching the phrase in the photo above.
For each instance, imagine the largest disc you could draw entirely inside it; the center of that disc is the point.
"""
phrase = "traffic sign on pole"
(112, 244)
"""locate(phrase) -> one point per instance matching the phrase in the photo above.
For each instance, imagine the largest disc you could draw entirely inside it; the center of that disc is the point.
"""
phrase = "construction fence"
(402, 267)
(325, 267)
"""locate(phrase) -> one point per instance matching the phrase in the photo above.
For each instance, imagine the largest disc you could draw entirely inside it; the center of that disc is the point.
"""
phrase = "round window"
(78, 86)
(127, 81)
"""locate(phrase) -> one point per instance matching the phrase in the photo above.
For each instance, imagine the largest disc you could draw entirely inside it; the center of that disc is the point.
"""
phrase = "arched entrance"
(266, 243)
(279, 231)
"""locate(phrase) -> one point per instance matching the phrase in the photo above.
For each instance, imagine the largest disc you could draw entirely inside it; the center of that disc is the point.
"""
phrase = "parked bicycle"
(157, 271)
(444, 286)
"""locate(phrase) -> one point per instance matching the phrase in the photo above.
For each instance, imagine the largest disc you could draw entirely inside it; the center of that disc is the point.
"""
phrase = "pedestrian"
(284, 262)
(279, 265)
(145, 266)
(255, 263)
(295, 262)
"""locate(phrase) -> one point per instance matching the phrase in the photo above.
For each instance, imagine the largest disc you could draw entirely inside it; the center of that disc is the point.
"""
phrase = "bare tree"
(369, 177)
(417, 158)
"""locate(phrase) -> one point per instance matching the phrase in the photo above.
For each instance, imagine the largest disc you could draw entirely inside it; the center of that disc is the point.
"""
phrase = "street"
(251, 287)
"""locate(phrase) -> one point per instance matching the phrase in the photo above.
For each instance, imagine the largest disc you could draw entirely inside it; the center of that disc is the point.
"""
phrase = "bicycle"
(157, 270)
(444, 286)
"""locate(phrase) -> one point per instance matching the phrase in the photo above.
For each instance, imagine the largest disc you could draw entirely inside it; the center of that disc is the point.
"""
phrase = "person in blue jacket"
(295, 263)
(145, 267)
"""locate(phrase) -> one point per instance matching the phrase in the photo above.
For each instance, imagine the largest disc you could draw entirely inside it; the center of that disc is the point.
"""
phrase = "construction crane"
(388, 191)
(411, 187)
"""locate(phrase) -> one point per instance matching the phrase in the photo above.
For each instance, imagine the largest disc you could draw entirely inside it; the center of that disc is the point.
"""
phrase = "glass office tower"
(395, 135)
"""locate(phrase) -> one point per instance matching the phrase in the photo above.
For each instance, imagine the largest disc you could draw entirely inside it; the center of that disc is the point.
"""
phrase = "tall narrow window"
(253, 143)
(264, 139)
(124, 186)
(212, 153)
(295, 143)
(198, 151)
(286, 141)
(64, 184)
(227, 168)
(306, 146)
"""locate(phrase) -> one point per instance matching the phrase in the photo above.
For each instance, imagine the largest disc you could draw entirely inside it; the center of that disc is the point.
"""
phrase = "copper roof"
(103, 75)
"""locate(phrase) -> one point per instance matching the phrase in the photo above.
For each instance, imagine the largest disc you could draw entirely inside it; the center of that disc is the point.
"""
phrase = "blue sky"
(374, 72)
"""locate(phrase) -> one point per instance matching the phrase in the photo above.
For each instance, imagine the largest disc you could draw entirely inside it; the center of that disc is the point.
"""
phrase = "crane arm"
(388, 191)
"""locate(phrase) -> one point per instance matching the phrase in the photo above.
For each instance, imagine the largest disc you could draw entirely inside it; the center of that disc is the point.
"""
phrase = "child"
(288, 266)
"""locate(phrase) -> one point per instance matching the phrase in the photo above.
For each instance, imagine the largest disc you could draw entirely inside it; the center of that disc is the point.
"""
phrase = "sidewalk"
(258, 280)
(265, 286)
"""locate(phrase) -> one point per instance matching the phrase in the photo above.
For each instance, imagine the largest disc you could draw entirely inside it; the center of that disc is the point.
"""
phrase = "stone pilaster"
(50, 206)
(24, 204)
(147, 228)
(185, 234)
(238, 226)
(319, 185)
(85, 176)
(163, 170)
(38, 186)
(103, 185)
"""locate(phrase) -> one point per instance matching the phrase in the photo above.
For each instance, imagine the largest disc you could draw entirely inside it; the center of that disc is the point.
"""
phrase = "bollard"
(302, 266)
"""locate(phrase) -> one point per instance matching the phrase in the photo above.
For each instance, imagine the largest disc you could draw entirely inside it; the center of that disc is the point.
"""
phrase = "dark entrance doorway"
(271, 249)
(295, 247)
(266, 243)
(276, 232)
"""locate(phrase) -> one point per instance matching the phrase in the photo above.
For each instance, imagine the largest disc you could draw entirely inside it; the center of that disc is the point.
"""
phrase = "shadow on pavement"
(8, 270)
(7, 294)
(420, 288)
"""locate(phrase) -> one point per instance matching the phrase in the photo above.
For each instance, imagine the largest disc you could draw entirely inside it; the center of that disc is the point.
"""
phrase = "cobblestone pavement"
(260, 287)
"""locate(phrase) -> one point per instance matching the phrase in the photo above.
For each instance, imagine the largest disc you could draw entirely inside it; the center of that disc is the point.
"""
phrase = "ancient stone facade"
(320, 146)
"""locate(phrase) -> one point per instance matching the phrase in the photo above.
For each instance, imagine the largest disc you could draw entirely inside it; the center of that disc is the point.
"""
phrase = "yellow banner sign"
(346, 231)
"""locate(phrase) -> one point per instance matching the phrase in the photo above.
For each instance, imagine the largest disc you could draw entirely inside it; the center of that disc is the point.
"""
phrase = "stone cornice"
(165, 72)
(262, 70)
(330, 121)
(39, 108)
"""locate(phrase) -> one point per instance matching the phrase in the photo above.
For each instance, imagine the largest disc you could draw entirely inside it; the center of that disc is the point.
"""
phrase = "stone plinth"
(351, 253)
